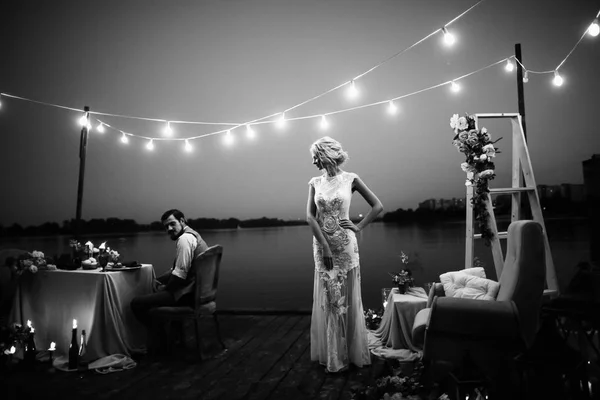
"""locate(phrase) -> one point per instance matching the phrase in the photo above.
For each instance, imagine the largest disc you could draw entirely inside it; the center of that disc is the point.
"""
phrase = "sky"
(235, 61)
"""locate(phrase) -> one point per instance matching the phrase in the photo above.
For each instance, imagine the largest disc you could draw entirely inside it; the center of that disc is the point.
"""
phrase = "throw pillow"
(469, 286)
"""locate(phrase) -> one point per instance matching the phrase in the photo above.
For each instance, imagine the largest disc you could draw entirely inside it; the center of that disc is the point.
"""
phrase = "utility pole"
(520, 95)
(82, 153)
(525, 211)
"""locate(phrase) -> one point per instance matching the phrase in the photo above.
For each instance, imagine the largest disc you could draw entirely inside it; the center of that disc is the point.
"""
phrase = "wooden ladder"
(521, 169)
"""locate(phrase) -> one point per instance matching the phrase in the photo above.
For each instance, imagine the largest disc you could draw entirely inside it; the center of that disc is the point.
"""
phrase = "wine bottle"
(73, 351)
(83, 351)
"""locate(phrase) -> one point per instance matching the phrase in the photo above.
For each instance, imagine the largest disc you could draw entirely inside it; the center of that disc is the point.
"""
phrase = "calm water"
(272, 268)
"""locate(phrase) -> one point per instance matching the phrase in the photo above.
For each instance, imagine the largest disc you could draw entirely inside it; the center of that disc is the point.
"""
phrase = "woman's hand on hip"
(347, 224)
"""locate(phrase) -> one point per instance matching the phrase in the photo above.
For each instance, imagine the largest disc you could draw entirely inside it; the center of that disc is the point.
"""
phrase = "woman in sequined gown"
(338, 335)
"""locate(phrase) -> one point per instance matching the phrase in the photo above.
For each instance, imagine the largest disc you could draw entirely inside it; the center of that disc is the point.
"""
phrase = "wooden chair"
(206, 267)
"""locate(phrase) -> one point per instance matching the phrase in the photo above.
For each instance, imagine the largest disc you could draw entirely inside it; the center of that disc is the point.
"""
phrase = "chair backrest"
(206, 267)
(523, 277)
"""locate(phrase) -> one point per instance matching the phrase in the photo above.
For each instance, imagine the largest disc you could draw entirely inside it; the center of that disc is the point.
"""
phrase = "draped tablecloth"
(99, 301)
(393, 338)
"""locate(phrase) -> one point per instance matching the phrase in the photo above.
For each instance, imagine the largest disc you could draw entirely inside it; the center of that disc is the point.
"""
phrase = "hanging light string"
(320, 115)
(384, 61)
(235, 125)
(551, 71)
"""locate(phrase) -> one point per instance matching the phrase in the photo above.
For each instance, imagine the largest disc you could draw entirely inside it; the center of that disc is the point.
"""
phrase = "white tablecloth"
(393, 338)
(99, 301)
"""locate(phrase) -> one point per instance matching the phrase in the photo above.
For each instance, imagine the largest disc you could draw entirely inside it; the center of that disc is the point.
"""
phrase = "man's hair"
(175, 213)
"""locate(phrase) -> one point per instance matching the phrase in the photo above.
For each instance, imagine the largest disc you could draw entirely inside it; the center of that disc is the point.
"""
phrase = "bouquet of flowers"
(479, 150)
(30, 262)
(403, 279)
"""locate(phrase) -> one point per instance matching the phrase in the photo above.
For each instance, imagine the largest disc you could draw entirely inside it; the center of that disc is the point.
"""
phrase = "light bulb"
(455, 87)
(188, 146)
(124, 138)
(150, 145)
(448, 37)
(281, 121)
(509, 65)
(83, 120)
(558, 80)
(100, 128)
(594, 28)
(250, 134)
(324, 124)
(526, 76)
(392, 108)
(168, 131)
(352, 90)
(228, 138)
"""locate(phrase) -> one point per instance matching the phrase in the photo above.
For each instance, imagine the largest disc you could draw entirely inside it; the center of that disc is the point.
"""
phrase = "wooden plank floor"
(267, 357)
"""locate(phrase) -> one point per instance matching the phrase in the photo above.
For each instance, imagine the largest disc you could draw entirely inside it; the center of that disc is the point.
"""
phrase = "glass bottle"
(73, 350)
(83, 351)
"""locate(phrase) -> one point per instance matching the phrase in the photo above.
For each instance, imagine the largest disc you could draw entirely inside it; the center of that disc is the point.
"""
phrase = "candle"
(52, 346)
(12, 350)
(28, 323)
(74, 324)
(102, 246)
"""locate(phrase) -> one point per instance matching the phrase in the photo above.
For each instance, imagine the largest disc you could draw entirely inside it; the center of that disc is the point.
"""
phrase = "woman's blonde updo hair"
(329, 152)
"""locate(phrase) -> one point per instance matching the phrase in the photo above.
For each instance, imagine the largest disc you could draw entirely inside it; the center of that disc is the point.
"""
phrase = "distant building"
(573, 192)
(428, 204)
(442, 204)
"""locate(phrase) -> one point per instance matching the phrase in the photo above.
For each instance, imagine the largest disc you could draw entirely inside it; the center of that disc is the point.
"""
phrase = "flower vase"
(402, 288)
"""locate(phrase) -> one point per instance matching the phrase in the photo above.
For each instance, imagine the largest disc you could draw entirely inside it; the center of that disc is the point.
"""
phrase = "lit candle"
(12, 350)
(384, 304)
(51, 353)
(52, 346)
(74, 324)
(28, 323)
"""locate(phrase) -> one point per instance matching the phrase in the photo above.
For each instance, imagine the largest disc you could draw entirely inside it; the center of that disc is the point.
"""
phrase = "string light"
(392, 108)
(594, 28)
(352, 90)
(168, 131)
(124, 138)
(324, 124)
(525, 76)
(455, 87)
(449, 38)
(558, 80)
(100, 128)
(228, 138)
(150, 145)
(281, 121)
(509, 65)
(85, 121)
(0, 101)
(188, 146)
(250, 134)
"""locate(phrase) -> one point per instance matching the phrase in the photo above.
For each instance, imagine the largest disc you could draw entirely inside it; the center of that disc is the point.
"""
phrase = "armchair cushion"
(474, 318)
(469, 287)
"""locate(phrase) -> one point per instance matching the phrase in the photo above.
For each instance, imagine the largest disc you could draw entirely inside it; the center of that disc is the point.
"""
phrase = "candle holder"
(385, 295)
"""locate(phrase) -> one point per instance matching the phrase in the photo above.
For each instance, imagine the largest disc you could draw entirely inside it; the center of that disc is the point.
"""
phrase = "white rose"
(462, 123)
(464, 166)
(454, 121)
(468, 183)
(487, 173)
(483, 157)
(33, 269)
(489, 149)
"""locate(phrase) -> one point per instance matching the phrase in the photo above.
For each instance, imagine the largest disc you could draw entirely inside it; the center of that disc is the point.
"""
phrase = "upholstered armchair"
(488, 331)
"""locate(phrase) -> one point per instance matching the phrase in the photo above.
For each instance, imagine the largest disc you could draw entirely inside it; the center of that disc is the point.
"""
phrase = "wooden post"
(82, 154)
(522, 211)
(520, 95)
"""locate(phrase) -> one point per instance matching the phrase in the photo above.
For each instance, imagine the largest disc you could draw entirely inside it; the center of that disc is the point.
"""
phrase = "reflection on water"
(272, 268)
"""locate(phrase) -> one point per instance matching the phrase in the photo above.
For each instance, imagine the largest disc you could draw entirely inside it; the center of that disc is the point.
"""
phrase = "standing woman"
(338, 335)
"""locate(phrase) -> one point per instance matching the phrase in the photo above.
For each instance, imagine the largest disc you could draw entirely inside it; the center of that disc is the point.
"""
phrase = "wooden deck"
(267, 357)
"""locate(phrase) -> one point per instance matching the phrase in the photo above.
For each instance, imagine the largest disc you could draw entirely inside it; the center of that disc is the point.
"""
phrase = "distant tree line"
(117, 225)
(551, 207)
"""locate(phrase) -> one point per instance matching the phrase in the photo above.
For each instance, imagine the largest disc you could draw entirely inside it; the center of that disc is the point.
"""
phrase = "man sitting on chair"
(176, 287)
